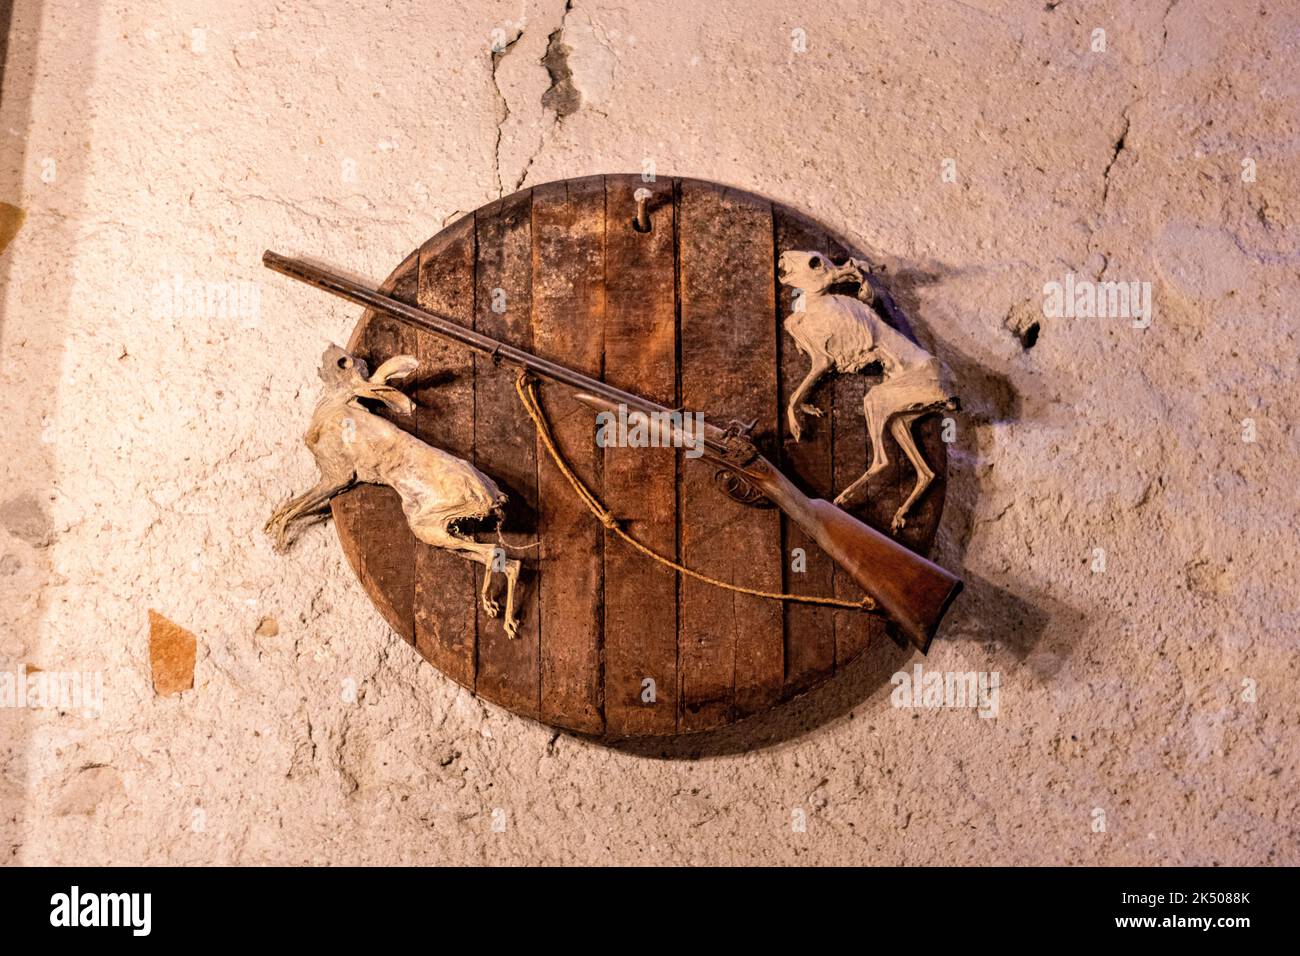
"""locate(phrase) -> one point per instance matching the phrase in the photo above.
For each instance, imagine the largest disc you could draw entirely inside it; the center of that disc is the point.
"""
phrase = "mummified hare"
(840, 333)
(438, 490)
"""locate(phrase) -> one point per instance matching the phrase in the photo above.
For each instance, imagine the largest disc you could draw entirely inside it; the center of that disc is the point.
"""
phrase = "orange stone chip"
(171, 654)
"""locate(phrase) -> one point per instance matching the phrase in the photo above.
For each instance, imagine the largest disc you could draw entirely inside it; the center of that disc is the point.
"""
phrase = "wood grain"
(730, 645)
(855, 631)
(368, 518)
(446, 583)
(568, 305)
(809, 628)
(504, 446)
(923, 519)
(641, 483)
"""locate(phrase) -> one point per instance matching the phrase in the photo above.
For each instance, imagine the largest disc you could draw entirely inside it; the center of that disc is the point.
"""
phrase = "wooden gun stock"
(912, 591)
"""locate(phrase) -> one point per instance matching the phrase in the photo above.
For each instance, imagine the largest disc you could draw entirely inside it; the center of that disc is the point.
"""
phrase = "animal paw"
(851, 496)
(812, 410)
(899, 522)
(275, 528)
(512, 628)
(491, 607)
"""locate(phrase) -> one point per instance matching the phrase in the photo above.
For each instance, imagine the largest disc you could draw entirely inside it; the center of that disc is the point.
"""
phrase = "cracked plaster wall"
(148, 141)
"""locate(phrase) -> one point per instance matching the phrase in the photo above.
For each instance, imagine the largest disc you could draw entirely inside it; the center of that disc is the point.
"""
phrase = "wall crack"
(1114, 157)
(502, 105)
(541, 75)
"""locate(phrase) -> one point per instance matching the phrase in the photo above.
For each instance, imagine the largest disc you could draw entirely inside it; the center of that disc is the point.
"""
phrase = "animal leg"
(901, 429)
(821, 364)
(511, 622)
(486, 555)
(490, 607)
(876, 414)
(307, 503)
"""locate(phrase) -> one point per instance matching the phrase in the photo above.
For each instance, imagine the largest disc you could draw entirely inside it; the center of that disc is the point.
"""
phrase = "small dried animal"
(840, 333)
(438, 490)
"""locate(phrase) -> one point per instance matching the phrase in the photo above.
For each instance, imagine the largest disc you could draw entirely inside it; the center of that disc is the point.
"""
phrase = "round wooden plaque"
(689, 314)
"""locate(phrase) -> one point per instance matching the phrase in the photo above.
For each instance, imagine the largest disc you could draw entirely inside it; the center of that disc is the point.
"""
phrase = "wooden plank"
(504, 445)
(923, 519)
(854, 630)
(445, 602)
(368, 518)
(809, 628)
(730, 645)
(885, 493)
(568, 308)
(640, 483)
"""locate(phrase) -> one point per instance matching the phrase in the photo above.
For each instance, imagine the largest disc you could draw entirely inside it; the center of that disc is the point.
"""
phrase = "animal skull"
(813, 273)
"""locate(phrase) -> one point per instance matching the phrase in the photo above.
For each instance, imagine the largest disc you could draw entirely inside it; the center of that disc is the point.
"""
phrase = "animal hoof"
(812, 410)
(796, 432)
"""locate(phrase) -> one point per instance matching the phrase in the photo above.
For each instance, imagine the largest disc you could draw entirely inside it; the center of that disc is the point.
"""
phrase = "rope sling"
(526, 387)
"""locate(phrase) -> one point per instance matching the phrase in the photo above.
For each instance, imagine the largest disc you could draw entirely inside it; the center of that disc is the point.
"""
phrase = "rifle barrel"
(445, 327)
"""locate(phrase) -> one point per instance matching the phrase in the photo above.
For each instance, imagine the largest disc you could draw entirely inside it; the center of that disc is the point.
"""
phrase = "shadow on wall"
(41, 184)
(985, 612)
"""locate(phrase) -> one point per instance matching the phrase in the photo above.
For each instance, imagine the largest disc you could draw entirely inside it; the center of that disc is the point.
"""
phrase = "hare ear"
(866, 293)
(399, 366)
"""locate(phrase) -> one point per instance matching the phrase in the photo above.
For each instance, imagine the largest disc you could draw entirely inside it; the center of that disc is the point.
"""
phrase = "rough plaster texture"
(145, 447)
